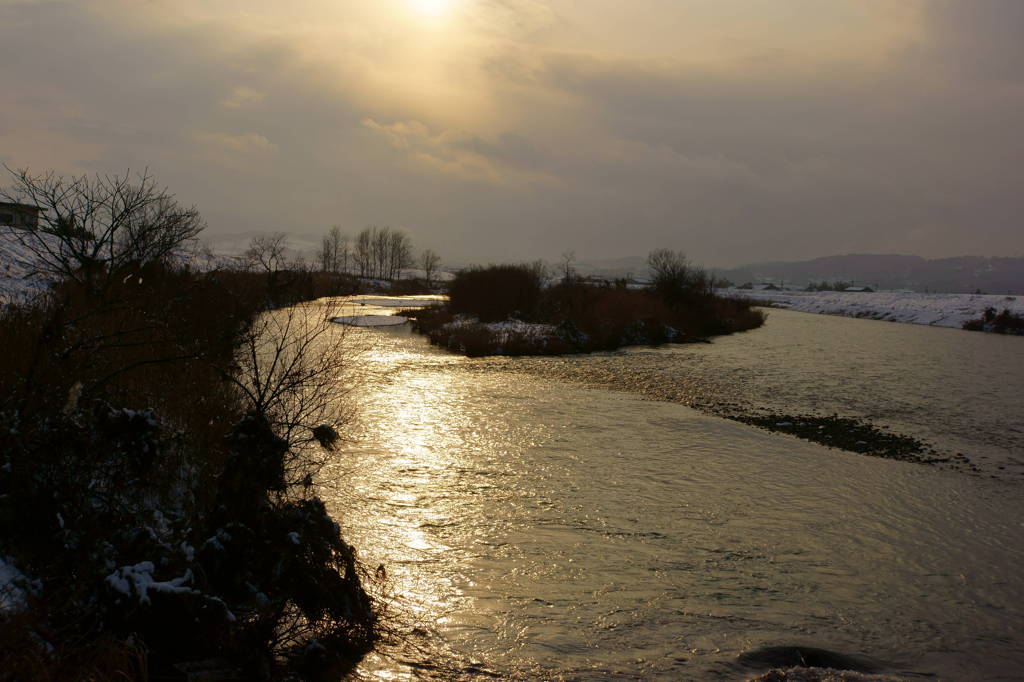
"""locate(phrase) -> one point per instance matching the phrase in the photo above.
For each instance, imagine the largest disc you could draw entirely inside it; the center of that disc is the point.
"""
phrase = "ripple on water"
(539, 529)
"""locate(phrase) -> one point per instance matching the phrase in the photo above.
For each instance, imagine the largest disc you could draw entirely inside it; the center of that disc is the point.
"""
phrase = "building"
(25, 216)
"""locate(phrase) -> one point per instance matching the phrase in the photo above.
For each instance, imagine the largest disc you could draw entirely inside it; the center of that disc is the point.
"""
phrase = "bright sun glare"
(430, 8)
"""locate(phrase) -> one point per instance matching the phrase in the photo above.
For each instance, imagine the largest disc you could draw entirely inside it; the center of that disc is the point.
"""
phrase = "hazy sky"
(490, 130)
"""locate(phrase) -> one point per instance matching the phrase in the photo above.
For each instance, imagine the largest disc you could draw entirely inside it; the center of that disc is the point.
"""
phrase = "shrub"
(496, 292)
(1001, 323)
(675, 280)
(155, 484)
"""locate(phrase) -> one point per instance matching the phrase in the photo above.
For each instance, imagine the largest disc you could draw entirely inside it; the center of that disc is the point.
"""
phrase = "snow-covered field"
(943, 310)
(19, 280)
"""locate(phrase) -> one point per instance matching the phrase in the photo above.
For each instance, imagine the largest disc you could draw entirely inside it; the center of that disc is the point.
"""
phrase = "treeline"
(380, 253)
(161, 431)
(838, 285)
(376, 252)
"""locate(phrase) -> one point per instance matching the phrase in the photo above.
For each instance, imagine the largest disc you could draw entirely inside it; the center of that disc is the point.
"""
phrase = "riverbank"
(942, 310)
(162, 430)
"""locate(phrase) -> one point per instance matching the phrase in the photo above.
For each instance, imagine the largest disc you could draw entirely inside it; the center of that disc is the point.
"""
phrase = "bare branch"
(90, 226)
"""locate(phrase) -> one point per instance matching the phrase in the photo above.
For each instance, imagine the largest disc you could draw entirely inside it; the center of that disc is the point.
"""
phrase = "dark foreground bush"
(489, 306)
(156, 511)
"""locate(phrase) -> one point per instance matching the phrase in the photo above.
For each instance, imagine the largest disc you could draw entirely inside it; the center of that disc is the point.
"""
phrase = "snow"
(14, 587)
(942, 310)
(370, 320)
(19, 279)
(140, 577)
(422, 301)
(508, 329)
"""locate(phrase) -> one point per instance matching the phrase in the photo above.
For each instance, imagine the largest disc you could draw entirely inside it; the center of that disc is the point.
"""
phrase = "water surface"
(534, 527)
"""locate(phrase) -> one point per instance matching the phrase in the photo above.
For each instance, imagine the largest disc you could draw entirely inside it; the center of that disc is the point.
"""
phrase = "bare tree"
(326, 255)
(568, 272)
(674, 278)
(340, 245)
(380, 238)
(540, 270)
(399, 253)
(362, 252)
(382, 252)
(429, 262)
(267, 251)
(101, 224)
(291, 368)
(334, 251)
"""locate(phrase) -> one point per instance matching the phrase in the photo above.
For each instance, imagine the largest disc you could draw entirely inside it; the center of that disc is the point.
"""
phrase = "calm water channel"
(546, 519)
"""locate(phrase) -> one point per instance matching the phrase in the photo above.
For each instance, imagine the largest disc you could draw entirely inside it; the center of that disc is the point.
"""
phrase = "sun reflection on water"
(555, 532)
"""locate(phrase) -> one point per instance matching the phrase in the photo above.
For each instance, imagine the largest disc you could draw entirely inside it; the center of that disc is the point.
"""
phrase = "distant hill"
(963, 274)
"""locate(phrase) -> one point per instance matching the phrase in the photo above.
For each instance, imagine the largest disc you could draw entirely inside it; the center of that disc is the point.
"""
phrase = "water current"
(576, 518)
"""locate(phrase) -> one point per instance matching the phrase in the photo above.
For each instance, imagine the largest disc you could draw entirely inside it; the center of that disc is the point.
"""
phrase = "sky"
(736, 131)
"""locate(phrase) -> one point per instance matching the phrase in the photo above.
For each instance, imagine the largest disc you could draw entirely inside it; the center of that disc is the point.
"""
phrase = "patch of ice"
(400, 301)
(370, 320)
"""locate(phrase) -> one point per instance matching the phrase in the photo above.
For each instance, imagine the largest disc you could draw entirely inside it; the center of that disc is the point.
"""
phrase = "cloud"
(246, 144)
(242, 97)
(532, 126)
(980, 38)
(461, 156)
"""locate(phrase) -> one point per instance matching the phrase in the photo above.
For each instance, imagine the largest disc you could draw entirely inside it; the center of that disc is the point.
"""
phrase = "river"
(576, 518)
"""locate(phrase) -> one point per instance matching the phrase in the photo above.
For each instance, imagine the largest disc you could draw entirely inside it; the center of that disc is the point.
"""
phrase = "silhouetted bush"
(675, 280)
(496, 292)
(409, 287)
(156, 509)
(1001, 323)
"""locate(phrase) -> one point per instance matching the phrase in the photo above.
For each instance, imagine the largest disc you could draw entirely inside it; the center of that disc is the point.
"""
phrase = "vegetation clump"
(997, 323)
(160, 434)
(848, 433)
(510, 310)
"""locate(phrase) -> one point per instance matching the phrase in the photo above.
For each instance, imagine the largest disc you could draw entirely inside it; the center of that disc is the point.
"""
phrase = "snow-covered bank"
(508, 330)
(19, 265)
(942, 310)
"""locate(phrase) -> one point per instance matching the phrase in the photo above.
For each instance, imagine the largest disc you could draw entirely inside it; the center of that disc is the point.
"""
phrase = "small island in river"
(507, 310)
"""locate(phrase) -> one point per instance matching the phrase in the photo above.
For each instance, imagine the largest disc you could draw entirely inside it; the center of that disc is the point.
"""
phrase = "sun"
(431, 9)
